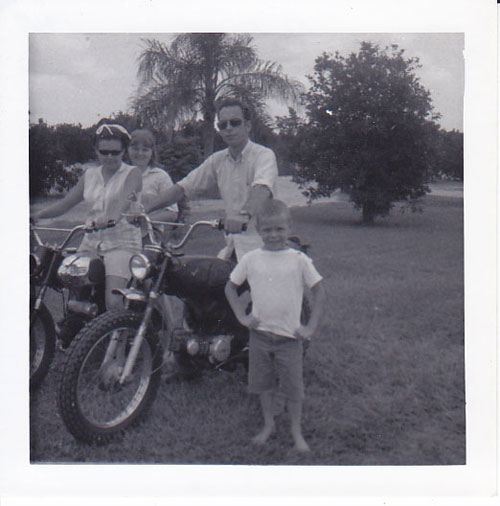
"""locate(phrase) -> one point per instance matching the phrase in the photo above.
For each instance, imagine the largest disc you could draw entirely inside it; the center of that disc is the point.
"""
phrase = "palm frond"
(196, 69)
(268, 79)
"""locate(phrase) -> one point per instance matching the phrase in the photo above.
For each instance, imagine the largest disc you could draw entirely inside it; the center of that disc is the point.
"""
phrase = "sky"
(79, 78)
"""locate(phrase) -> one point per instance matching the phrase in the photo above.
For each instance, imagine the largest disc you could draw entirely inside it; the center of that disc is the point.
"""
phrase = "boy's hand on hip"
(249, 321)
(304, 332)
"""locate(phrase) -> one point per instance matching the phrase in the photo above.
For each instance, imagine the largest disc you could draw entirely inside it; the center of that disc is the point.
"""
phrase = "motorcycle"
(79, 278)
(113, 369)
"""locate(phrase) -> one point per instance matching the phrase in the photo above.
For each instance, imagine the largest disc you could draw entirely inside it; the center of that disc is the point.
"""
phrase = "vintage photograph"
(247, 248)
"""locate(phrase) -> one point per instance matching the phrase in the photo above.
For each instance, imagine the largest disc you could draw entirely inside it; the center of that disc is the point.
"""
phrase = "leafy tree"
(368, 130)
(183, 81)
(182, 152)
(448, 160)
(289, 146)
(45, 165)
(73, 144)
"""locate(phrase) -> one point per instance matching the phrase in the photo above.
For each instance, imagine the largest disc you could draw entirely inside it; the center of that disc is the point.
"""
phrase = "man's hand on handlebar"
(236, 224)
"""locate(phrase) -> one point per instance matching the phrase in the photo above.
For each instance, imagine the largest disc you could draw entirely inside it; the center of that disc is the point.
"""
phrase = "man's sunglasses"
(222, 125)
(112, 152)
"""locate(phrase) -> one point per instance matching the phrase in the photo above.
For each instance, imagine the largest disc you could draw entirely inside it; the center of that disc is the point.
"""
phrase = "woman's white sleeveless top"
(102, 199)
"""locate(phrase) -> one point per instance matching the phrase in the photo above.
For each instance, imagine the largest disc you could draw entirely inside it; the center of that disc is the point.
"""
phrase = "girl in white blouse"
(155, 180)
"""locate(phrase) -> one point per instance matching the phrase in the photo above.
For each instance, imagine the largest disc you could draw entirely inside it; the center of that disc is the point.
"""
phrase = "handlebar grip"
(94, 228)
(221, 225)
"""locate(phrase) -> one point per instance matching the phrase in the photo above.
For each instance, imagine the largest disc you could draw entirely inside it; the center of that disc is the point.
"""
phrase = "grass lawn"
(384, 375)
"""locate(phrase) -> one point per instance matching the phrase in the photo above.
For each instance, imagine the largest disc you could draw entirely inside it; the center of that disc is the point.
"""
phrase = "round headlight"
(35, 264)
(139, 266)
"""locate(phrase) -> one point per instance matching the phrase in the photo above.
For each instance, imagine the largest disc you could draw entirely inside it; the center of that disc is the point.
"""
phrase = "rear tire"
(92, 403)
(42, 344)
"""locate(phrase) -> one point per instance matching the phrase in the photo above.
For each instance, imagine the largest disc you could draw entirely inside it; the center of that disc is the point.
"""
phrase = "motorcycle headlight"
(140, 266)
(38, 258)
(35, 264)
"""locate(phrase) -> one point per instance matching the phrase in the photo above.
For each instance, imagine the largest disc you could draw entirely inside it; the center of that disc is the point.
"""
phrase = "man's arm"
(168, 197)
(257, 195)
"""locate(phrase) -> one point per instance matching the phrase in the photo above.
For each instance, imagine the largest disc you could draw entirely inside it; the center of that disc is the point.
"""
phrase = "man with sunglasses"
(244, 175)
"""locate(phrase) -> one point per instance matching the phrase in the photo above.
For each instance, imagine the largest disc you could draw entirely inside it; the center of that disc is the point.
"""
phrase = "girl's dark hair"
(146, 137)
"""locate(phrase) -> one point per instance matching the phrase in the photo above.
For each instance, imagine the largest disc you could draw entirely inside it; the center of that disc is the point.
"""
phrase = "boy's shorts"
(271, 355)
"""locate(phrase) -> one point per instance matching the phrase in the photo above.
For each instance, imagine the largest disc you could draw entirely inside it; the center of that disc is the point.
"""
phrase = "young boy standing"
(277, 276)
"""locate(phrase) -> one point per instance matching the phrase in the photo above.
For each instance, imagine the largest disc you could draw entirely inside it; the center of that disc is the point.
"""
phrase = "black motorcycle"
(113, 368)
(77, 277)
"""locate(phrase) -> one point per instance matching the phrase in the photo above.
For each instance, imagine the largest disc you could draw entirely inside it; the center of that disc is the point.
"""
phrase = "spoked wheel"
(94, 402)
(42, 344)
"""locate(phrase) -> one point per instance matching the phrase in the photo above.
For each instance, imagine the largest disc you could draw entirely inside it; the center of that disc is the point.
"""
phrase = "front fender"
(132, 294)
(161, 317)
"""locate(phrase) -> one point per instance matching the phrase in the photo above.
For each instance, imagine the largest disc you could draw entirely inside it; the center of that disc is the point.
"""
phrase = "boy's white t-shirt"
(277, 280)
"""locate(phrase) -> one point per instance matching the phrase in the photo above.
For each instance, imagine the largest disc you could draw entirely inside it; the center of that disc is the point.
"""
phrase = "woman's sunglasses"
(112, 152)
(222, 125)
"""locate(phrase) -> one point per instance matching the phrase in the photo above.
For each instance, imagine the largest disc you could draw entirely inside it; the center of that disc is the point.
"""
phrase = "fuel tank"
(197, 276)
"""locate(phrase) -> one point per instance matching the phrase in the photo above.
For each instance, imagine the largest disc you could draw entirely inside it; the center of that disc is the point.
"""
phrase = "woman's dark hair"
(107, 130)
(234, 102)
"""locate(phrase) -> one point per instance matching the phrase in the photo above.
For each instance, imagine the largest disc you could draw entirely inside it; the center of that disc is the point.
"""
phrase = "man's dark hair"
(234, 102)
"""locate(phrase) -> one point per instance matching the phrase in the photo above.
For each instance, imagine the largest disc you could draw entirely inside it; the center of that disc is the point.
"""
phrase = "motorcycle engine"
(220, 348)
(216, 348)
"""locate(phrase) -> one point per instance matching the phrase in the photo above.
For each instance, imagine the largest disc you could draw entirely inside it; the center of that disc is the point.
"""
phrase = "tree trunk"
(208, 139)
(368, 214)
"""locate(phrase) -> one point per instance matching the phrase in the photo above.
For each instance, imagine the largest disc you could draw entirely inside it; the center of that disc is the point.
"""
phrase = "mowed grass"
(384, 375)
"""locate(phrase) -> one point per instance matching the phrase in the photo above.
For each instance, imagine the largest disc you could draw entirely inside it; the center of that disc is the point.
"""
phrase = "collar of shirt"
(151, 170)
(242, 155)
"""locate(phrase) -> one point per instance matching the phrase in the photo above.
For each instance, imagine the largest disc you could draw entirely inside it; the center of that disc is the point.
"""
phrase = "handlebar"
(71, 231)
(217, 224)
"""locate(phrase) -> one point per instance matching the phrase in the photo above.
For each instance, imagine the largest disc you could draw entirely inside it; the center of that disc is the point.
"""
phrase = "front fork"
(154, 295)
(138, 339)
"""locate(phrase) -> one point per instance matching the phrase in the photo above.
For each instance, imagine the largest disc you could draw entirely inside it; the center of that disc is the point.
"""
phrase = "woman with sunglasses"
(109, 189)
(155, 180)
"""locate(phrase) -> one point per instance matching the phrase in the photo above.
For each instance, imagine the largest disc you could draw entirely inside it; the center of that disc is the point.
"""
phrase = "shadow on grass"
(343, 214)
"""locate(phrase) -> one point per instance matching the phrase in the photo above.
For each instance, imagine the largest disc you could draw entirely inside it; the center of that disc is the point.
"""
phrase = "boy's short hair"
(273, 207)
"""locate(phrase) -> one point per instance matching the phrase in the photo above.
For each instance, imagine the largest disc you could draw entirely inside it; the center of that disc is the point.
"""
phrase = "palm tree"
(180, 82)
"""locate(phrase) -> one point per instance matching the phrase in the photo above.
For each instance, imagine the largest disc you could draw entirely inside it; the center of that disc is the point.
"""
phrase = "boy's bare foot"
(263, 435)
(300, 444)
